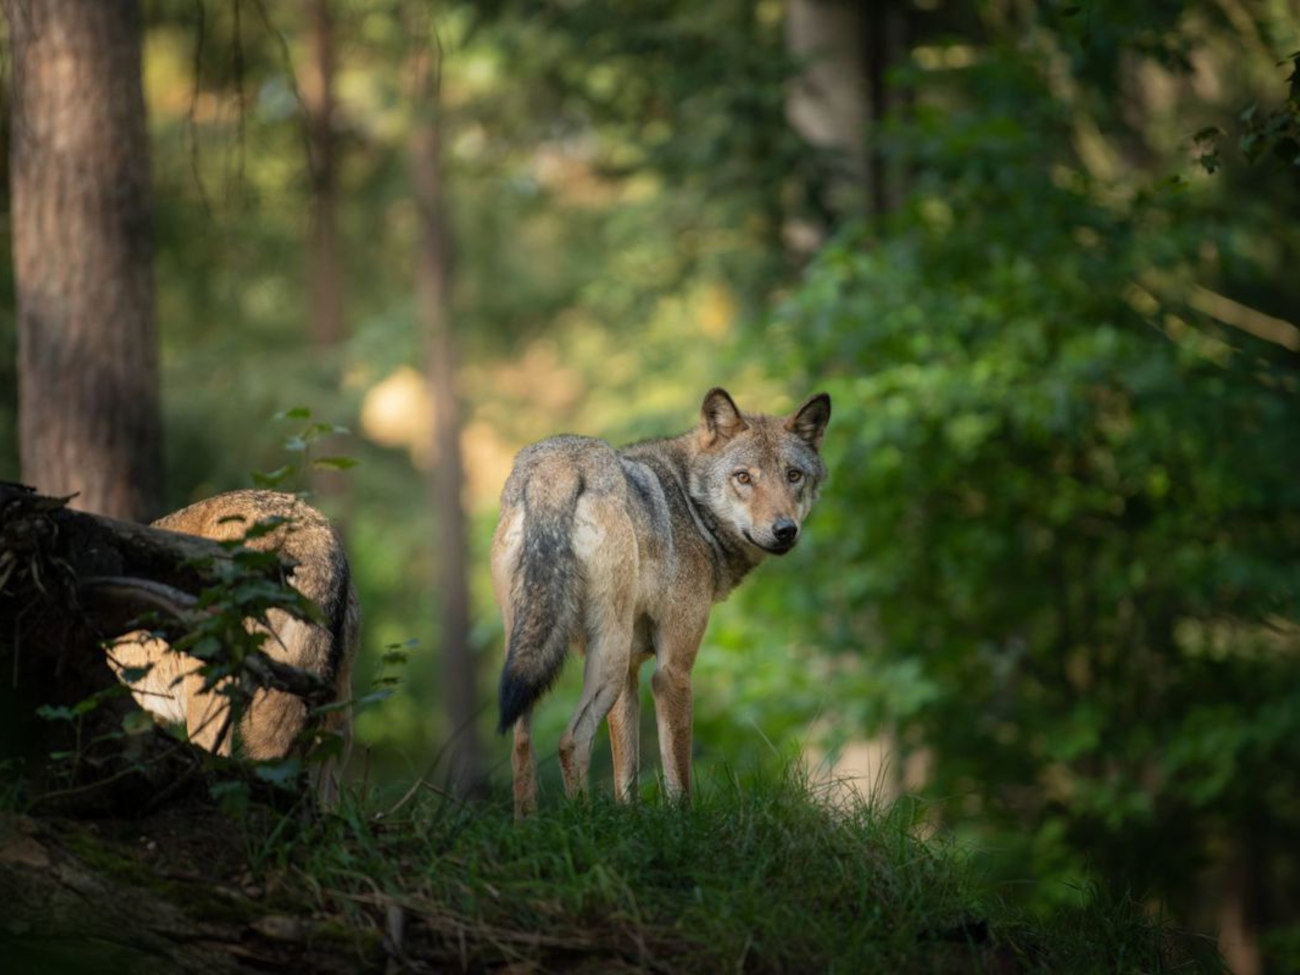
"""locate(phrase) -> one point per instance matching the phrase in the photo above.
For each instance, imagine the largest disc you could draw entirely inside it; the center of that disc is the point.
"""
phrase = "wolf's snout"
(785, 531)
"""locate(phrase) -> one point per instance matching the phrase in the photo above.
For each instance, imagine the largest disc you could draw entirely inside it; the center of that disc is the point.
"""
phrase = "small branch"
(140, 593)
(117, 593)
(1247, 319)
(282, 677)
(172, 751)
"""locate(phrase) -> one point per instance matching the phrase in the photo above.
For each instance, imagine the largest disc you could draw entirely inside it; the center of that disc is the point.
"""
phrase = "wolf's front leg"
(672, 691)
(625, 737)
(675, 644)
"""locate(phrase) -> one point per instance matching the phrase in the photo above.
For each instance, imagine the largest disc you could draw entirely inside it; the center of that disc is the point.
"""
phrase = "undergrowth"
(757, 876)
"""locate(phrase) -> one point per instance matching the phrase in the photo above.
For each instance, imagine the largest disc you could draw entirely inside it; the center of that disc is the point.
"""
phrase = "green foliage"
(303, 443)
(692, 92)
(67, 764)
(1064, 506)
(1276, 131)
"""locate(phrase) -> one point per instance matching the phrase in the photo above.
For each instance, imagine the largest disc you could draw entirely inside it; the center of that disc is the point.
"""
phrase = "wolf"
(621, 553)
(172, 688)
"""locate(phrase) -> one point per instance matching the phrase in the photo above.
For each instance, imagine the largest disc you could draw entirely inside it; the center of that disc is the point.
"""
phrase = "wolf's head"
(759, 474)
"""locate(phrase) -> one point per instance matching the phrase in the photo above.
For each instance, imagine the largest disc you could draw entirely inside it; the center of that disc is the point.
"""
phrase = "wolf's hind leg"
(605, 544)
(524, 767)
(625, 737)
(603, 679)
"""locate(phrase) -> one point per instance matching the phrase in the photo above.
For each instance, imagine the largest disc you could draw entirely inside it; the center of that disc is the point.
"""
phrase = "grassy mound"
(757, 877)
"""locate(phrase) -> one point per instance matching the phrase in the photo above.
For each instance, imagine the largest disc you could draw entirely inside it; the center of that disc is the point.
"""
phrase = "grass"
(756, 876)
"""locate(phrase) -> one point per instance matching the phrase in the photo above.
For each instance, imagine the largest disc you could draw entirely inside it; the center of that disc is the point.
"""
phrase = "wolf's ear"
(808, 422)
(719, 417)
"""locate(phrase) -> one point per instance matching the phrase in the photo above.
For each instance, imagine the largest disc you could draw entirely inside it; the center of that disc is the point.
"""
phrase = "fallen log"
(69, 582)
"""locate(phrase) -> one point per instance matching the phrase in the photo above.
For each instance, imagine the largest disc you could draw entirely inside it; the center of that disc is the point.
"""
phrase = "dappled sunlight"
(398, 412)
(875, 770)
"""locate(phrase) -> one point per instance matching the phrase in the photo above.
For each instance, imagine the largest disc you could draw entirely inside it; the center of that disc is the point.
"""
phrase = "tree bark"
(842, 99)
(89, 420)
(828, 103)
(324, 279)
(885, 46)
(327, 325)
(465, 771)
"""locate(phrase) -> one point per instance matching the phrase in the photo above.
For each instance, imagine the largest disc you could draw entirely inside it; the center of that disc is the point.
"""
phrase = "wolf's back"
(545, 584)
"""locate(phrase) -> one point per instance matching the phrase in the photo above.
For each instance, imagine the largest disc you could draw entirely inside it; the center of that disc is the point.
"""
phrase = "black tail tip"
(514, 699)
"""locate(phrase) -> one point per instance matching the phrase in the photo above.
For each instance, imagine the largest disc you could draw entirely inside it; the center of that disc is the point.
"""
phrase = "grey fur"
(621, 553)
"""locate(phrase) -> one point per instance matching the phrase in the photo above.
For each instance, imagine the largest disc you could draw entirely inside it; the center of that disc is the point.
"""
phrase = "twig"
(180, 605)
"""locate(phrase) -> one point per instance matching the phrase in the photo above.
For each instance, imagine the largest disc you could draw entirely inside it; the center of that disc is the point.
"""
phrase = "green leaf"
(374, 697)
(133, 675)
(232, 796)
(283, 773)
(328, 745)
(264, 526)
(334, 463)
(52, 713)
(137, 722)
(273, 479)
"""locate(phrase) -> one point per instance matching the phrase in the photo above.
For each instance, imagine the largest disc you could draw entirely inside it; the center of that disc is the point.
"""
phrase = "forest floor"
(757, 877)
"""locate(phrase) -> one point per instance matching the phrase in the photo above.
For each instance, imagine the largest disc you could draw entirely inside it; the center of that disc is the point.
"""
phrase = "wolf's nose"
(784, 530)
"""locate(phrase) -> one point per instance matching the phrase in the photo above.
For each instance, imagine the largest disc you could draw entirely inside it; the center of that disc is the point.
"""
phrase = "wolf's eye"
(794, 475)
(742, 477)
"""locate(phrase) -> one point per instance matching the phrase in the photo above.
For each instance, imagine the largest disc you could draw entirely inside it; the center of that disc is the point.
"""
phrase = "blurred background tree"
(82, 209)
(1042, 257)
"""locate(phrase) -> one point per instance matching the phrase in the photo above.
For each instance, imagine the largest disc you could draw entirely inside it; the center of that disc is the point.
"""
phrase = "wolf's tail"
(546, 596)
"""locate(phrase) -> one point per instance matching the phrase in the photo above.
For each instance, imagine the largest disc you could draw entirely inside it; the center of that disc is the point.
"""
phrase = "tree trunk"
(842, 99)
(88, 405)
(828, 102)
(326, 293)
(1239, 905)
(465, 771)
(327, 326)
(885, 46)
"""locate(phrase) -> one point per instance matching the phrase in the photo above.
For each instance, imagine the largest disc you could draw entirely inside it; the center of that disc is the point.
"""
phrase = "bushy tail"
(546, 597)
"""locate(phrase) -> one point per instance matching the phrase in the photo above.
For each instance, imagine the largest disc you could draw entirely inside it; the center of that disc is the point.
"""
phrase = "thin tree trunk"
(324, 279)
(1239, 905)
(327, 326)
(884, 45)
(842, 98)
(465, 773)
(828, 103)
(88, 405)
